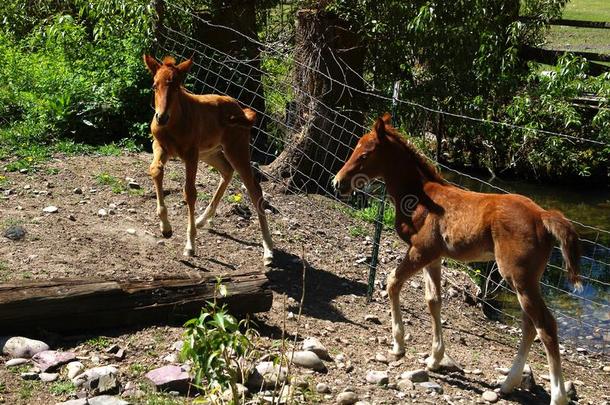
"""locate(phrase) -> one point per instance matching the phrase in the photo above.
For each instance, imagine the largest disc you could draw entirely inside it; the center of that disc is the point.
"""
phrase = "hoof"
(204, 223)
(395, 356)
(189, 252)
(268, 261)
(447, 365)
(167, 234)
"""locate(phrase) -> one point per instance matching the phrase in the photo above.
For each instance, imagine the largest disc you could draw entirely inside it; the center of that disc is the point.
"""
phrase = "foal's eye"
(362, 157)
(154, 87)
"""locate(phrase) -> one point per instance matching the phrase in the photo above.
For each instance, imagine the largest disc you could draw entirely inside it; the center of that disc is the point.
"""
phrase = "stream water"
(583, 317)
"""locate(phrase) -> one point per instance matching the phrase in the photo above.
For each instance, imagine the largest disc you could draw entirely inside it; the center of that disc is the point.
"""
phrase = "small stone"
(169, 378)
(134, 185)
(77, 190)
(172, 358)
(242, 392)
(50, 360)
(431, 386)
(106, 400)
(48, 377)
(377, 377)
(51, 209)
(381, 358)
(312, 344)
(308, 360)
(22, 347)
(405, 385)
(503, 370)
(490, 396)
(130, 231)
(102, 212)
(30, 375)
(476, 371)
(80, 401)
(71, 217)
(415, 376)
(74, 368)
(15, 232)
(177, 345)
(265, 374)
(606, 369)
(372, 319)
(90, 378)
(16, 362)
(347, 398)
(322, 388)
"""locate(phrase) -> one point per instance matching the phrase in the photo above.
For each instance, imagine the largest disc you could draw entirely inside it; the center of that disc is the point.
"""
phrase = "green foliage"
(214, 343)
(71, 70)
(62, 388)
(106, 179)
(98, 342)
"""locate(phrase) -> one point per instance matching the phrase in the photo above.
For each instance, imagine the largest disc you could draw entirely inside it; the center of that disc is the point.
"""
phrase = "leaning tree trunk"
(326, 118)
(238, 75)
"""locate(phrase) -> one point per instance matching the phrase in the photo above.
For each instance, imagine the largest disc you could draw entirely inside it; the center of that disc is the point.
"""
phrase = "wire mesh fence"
(264, 79)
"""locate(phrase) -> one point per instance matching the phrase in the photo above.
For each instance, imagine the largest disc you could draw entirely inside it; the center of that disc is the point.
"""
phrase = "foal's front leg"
(157, 167)
(432, 279)
(190, 196)
(405, 269)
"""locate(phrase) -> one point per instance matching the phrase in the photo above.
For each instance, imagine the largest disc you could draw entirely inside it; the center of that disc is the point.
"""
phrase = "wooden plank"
(61, 305)
(570, 23)
(550, 57)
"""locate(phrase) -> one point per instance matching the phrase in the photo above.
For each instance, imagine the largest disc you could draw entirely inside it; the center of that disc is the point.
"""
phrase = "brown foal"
(209, 127)
(438, 220)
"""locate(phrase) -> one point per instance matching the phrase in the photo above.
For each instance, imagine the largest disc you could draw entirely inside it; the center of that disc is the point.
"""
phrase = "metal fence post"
(380, 213)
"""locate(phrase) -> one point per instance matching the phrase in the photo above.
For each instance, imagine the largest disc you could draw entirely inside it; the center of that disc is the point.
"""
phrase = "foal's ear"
(387, 118)
(379, 127)
(152, 64)
(184, 68)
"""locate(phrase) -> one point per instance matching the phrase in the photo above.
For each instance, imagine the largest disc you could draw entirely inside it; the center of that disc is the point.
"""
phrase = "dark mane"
(427, 169)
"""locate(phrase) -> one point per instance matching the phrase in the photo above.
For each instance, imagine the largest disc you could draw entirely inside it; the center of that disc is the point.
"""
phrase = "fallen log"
(61, 305)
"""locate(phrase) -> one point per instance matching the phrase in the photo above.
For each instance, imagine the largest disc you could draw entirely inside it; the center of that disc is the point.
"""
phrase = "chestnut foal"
(211, 128)
(439, 220)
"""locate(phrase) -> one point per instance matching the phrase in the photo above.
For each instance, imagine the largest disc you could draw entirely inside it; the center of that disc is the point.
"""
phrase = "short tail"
(564, 232)
(245, 120)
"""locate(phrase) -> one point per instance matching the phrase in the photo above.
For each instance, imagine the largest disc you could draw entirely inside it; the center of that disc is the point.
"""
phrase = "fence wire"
(275, 96)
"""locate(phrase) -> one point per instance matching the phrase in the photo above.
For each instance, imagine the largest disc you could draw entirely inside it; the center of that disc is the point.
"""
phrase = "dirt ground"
(77, 242)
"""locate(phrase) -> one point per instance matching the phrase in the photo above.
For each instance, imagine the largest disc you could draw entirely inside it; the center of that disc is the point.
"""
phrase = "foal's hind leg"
(515, 375)
(432, 278)
(157, 168)
(218, 161)
(533, 305)
(237, 152)
(190, 195)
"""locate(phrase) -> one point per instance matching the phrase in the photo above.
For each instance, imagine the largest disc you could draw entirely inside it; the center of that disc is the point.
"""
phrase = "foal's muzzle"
(162, 118)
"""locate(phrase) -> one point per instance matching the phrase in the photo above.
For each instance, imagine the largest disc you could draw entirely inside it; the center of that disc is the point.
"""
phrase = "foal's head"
(367, 158)
(167, 79)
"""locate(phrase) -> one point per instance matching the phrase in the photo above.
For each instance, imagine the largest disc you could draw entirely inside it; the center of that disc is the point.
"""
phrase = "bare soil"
(77, 242)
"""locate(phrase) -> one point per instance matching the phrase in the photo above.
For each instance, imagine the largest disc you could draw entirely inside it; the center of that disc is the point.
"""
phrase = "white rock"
(377, 377)
(74, 368)
(312, 344)
(102, 212)
(51, 209)
(308, 360)
(93, 373)
(415, 376)
(130, 231)
(48, 377)
(22, 347)
(347, 398)
(16, 362)
(322, 388)
(490, 396)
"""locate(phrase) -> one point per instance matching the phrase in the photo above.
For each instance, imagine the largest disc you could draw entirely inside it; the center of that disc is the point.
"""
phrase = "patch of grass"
(358, 230)
(22, 368)
(592, 10)
(4, 181)
(203, 196)
(137, 369)
(106, 179)
(136, 192)
(369, 214)
(235, 198)
(2, 388)
(62, 388)
(4, 271)
(27, 388)
(51, 170)
(98, 342)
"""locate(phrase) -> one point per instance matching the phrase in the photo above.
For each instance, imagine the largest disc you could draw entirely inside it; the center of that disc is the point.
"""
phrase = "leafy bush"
(72, 71)
(216, 345)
